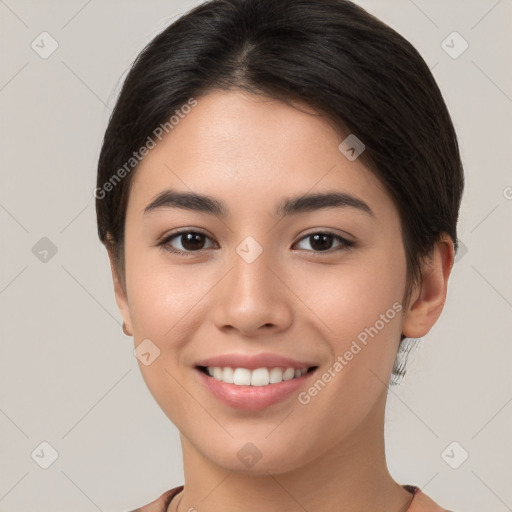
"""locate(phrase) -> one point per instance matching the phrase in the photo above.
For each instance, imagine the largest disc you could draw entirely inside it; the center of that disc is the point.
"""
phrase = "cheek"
(359, 313)
(168, 305)
(360, 301)
(166, 308)
(163, 298)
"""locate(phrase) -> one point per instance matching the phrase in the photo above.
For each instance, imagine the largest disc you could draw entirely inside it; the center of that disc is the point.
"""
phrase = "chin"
(248, 459)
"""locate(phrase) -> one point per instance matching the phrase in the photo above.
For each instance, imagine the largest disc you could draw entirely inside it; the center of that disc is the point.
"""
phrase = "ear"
(427, 300)
(120, 293)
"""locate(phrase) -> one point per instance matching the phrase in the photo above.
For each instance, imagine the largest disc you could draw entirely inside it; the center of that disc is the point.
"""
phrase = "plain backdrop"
(68, 376)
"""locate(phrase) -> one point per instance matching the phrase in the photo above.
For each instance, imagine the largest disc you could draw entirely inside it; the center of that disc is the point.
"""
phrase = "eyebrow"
(293, 205)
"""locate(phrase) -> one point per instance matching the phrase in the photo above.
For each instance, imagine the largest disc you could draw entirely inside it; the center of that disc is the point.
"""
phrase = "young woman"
(278, 190)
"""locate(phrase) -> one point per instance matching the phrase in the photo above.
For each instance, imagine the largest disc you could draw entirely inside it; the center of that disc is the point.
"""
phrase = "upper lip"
(251, 362)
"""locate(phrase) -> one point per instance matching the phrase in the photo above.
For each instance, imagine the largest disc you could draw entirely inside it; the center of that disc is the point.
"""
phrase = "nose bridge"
(250, 270)
(251, 296)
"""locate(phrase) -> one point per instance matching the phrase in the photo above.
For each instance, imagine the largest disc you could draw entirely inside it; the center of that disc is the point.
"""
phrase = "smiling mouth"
(282, 375)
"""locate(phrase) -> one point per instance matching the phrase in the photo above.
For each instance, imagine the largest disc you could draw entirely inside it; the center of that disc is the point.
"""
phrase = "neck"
(351, 475)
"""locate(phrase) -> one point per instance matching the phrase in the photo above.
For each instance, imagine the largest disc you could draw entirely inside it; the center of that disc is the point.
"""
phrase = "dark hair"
(331, 55)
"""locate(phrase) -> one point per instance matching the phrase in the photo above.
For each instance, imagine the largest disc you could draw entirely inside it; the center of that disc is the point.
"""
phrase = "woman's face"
(281, 291)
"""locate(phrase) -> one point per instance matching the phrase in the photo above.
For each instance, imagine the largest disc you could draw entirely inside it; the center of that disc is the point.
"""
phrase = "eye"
(322, 241)
(188, 242)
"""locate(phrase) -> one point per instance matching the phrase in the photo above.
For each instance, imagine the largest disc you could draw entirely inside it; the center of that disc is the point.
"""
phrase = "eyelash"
(163, 243)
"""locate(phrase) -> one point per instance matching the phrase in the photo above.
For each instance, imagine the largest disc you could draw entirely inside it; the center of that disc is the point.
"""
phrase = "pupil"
(191, 241)
(321, 242)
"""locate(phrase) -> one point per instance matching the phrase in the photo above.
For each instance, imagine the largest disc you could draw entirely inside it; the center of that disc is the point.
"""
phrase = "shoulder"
(421, 502)
(161, 503)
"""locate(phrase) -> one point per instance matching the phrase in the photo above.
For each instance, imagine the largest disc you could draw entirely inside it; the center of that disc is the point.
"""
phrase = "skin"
(250, 152)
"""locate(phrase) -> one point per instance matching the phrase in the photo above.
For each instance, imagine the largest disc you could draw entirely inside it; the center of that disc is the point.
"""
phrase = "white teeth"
(275, 375)
(288, 374)
(227, 375)
(242, 377)
(257, 377)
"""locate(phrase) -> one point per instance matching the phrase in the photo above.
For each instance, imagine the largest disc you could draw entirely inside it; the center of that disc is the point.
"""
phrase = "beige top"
(420, 503)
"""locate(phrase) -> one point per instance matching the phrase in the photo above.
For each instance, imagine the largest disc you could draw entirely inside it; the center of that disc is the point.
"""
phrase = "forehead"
(251, 150)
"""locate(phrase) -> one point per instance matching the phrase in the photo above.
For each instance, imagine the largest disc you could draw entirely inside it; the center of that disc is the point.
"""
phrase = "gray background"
(68, 375)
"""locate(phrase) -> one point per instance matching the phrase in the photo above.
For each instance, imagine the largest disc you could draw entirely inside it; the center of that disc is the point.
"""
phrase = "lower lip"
(253, 398)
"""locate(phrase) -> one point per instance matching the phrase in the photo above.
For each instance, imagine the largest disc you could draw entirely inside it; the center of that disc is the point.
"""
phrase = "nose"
(253, 298)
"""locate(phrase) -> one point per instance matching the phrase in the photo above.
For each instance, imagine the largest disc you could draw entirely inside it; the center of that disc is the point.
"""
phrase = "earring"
(125, 330)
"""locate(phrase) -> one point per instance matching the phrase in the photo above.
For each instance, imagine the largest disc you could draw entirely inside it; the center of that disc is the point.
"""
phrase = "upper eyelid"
(170, 236)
